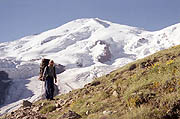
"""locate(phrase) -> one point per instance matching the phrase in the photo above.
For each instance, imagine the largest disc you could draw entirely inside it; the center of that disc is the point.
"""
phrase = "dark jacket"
(50, 71)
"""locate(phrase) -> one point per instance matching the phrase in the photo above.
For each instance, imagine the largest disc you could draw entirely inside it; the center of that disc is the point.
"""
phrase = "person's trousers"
(49, 87)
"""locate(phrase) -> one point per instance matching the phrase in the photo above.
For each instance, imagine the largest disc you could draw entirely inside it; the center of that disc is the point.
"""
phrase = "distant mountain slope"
(84, 36)
(88, 48)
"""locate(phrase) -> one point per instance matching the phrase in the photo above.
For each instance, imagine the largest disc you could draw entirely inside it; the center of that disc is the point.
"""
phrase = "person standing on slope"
(49, 75)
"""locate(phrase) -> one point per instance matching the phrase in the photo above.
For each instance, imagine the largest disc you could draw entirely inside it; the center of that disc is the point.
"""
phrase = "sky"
(19, 18)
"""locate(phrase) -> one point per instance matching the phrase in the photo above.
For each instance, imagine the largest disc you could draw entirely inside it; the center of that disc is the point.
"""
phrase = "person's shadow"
(56, 90)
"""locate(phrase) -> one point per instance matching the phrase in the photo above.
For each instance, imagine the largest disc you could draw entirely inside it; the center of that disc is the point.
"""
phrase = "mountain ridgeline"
(145, 89)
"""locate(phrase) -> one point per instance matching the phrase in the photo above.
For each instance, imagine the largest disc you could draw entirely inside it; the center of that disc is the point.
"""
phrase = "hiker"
(49, 76)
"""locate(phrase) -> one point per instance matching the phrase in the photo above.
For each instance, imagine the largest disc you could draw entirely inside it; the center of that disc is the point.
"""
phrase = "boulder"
(95, 83)
(36, 109)
(107, 112)
(132, 67)
(70, 115)
(58, 105)
(26, 103)
(115, 94)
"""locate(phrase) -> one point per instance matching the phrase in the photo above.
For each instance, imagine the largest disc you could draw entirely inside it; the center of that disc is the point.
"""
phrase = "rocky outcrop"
(5, 82)
(59, 68)
(24, 113)
(3, 75)
(41, 110)
(26, 103)
(106, 54)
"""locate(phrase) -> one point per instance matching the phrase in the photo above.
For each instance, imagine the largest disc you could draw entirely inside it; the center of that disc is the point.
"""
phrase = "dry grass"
(149, 90)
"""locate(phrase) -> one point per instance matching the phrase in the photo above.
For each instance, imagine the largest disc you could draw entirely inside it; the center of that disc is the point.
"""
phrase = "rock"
(36, 109)
(87, 85)
(20, 116)
(132, 67)
(87, 113)
(3, 75)
(5, 83)
(12, 113)
(115, 94)
(26, 117)
(95, 83)
(70, 115)
(59, 68)
(43, 104)
(39, 117)
(85, 92)
(26, 108)
(115, 111)
(107, 112)
(26, 103)
(57, 105)
(58, 109)
(68, 101)
(146, 64)
(106, 55)
(61, 102)
(87, 103)
(113, 80)
(107, 75)
(26, 113)
(143, 65)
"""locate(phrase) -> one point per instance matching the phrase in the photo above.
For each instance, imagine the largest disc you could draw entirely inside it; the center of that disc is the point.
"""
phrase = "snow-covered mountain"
(88, 48)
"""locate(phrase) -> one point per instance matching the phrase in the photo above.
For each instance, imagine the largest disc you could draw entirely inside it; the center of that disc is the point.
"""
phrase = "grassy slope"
(145, 89)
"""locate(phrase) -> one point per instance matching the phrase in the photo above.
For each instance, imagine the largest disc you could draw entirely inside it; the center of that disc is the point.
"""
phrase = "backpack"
(44, 63)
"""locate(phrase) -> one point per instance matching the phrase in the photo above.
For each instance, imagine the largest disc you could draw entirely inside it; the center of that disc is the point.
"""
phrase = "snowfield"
(88, 48)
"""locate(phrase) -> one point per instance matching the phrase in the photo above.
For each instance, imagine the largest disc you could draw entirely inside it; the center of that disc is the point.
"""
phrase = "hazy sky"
(19, 18)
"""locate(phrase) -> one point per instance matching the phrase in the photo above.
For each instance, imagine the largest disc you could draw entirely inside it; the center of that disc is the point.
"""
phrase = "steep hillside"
(145, 89)
(88, 48)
